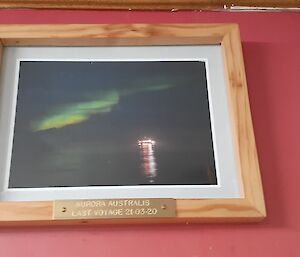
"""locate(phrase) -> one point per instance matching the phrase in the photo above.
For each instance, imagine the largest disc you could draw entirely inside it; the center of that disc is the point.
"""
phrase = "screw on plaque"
(164, 206)
(64, 209)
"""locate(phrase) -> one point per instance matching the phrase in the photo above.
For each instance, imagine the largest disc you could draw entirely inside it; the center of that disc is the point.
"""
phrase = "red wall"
(271, 44)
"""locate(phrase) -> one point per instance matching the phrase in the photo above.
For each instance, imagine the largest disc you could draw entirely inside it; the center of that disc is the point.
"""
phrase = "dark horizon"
(78, 123)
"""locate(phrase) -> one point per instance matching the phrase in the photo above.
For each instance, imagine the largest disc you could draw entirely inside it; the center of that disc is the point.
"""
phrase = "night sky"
(78, 124)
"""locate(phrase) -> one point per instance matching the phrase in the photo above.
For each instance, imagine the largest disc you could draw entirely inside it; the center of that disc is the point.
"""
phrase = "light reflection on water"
(148, 165)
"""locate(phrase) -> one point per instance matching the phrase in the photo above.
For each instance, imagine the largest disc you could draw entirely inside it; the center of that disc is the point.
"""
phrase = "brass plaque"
(114, 208)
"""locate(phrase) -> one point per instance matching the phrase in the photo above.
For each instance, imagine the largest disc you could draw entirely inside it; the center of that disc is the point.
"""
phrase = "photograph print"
(121, 123)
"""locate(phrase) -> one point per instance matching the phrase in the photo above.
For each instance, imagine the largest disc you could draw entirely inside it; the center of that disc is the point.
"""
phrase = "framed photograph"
(132, 123)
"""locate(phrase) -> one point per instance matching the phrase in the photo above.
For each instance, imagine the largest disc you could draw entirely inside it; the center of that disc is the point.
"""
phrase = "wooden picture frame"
(250, 207)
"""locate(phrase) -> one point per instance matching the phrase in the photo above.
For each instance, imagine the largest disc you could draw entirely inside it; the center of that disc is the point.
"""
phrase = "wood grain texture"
(241, 121)
(145, 4)
(250, 207)
(25, 211)
(114, 34)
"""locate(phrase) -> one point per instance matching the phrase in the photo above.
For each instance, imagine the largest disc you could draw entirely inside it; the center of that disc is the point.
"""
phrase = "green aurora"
(79, 112)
